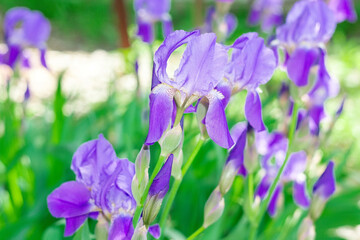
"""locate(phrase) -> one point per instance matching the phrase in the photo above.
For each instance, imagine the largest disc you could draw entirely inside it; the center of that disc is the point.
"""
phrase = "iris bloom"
(148, 12)
(251, 65)
(200, 70)
(218, 20)
(268, 13)
(343, 10)
(24, 28)
(273, 147)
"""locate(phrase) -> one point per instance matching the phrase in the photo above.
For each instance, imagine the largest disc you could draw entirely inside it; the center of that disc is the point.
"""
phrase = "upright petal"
(36, 29)
(253, 111)
(170, 44)
(160, 184)
(299, 64)
(325, 185)
(316, 114)
(121, 228)
(202, 65)
(300, 196)
(215, 121)
(161, 109)
(295, 166)
(343, 9)
(73, 224)
(71, 199)
(145, 31)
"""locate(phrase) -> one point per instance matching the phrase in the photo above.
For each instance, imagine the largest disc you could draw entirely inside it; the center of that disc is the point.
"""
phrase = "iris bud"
(306, 230)
(227, 177)
(151, 209)
(214, 208)
(177, 164)
(171, 140)
(141, 176)
(140, 232)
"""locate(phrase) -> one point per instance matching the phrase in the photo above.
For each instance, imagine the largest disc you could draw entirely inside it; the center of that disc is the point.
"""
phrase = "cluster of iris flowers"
(124, 198)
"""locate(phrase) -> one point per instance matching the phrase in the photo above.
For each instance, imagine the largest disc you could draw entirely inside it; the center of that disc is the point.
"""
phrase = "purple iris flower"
(273, 147)
(102, 186)
(325, 185)
(251, 65)
(24, 28)
(236, 155)
(200, 70)
(343, 9)
(224, 26)
(268, 13)
(148, 12)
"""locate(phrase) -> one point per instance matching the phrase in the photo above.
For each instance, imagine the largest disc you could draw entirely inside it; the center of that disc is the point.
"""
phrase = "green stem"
(144, 196)
(177, 183)
(196, 233)
(273, 186)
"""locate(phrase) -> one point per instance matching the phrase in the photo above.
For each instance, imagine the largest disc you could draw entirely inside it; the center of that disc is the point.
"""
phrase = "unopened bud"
(317, 206)
(140, 232)
(227, 177)
(177, 164)
(142, 162)
(214, 208)
(171, 140)
(200, 115)
(306, 230)
(151, 209)
(101, 229)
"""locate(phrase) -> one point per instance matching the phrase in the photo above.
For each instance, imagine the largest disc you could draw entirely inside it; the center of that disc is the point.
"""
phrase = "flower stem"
(143, 198)
(196, 233)
(273, 186)
(177, 183)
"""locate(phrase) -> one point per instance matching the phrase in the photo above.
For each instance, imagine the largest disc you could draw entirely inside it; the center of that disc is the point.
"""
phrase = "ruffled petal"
(202, 65)
(253, 111)
(71, 199)
(215, 121)
(170, 44)
(299, 64)
(161, 110)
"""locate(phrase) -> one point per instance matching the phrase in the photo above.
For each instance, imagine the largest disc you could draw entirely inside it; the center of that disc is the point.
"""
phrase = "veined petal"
(300, 196)
(161, 110)
(71, 199)
(202, 65)
(170, 44)
(121, 228)
(253, 111)
(73, 224)
(299, 64)
(215, 121)
(325, 185)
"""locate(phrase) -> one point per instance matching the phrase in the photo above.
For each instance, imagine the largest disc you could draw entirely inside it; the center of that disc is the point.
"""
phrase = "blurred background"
(91, 87)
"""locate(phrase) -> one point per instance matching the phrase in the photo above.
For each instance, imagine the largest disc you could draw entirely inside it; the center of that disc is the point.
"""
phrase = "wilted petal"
(155, 231)
(121, 228)
(300, 196)
(160, 184)
(253, 110)
(170, 44)
(71, 199)
(73, 224)
(325, 185)
(202, 65)
(161, 110)
(215, 121)
(274, 201)
(299, 64)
